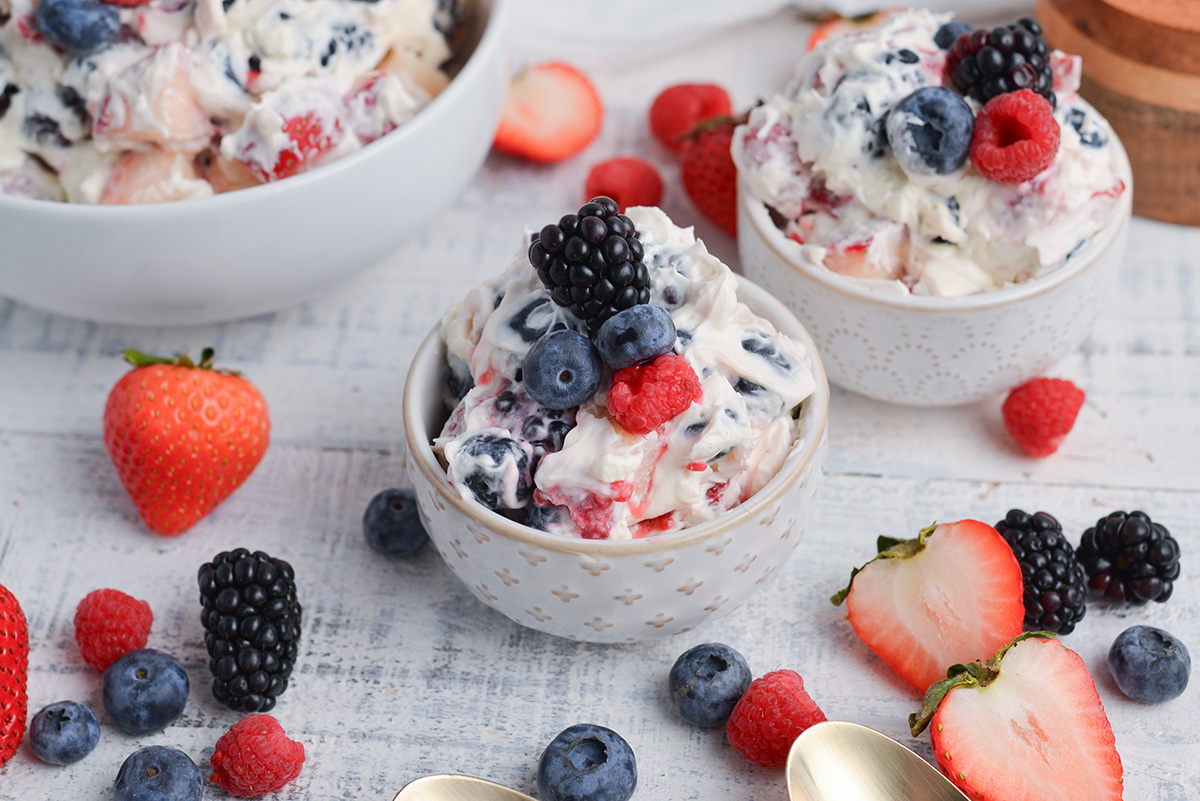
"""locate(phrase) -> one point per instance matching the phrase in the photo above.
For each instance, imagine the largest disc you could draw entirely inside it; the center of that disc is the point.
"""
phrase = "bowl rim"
(768, 233)
(814, 417)
(493, 38)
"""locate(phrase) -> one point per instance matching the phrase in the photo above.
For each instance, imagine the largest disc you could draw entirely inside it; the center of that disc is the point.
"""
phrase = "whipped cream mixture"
(819, 157)
(203, 96)
(578, 472)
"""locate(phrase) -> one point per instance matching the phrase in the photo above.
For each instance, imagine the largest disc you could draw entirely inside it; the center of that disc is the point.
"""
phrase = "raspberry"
(1016, 137)
(110, 624)
(1039, 413)
(628, 180)
(255, 757)
(645, 396)
(680, 108)
(770, 716)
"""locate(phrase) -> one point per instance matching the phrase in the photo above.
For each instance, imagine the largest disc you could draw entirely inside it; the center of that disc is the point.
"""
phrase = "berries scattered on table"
(772, 713)
(1149, 664)
(986, 64)
(949, 33)
(63, 733)
(158, 773)
(14, 673)
(586, 762)
(78, 26)
(183, 436)
(706, 682)
(562, 369)
(628, 180)
(708, 171)
(551, 113)
(930, 131)
(999, 728)
(1016, 137)
(110, 624)
(591, 262)
(1129, 557)
(954, 594)
(144, 691)
(1055, 586)
(255, 757)
(1040, 413)
(643, 397)
(636, 335)
(251, 623)
(392, 523)
(680, 108)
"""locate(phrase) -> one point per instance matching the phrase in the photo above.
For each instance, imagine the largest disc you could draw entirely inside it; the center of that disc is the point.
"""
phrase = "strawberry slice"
(552, 112)
(1027, 724)
(953, 594)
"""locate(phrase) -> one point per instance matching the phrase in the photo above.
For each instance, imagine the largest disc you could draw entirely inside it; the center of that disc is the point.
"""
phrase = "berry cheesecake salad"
(146, 101)
(610, 385)
(924, 156)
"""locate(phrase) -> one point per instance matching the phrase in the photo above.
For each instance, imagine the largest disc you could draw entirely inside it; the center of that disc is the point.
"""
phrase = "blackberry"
(252, 627)
(1055, 592)
(984, 64)
(591, 262)
(1129, 557)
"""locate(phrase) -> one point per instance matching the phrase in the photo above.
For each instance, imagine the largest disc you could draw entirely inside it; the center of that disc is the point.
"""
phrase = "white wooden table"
(401, 671)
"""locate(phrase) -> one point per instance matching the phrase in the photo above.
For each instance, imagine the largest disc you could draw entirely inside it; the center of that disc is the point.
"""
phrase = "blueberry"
(63, 733)
(392, 525)
(493, 467)
(562, 369)
(78, 26)
(635, 335)
(930, 131)
(946, 34)
(706, 682)
(1149, 664)
(458, 378)
(546, 517)
(587, 763)
(158, 773)
(144, 691)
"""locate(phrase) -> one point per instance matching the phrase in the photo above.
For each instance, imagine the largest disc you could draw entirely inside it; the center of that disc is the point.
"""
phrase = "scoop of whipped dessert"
(598, 468)
(869, 158)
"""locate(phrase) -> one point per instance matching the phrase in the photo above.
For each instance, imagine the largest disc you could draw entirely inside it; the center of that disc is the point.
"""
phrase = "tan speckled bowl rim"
(814, 417)
(766, 231)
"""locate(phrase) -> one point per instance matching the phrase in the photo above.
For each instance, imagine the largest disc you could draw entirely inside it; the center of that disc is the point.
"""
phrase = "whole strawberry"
(183, 436)
(708, 172)
(14, 670)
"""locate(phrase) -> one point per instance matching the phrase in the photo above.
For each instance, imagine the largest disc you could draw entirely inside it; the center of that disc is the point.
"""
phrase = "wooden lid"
(1159, 33)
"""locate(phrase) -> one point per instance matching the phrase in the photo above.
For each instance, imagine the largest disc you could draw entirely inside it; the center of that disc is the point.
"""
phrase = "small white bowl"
(927, 351)
(623, 590)
(267, 247)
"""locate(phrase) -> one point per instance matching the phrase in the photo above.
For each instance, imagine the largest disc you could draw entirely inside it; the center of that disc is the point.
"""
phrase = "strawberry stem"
(139, 359)
(887, 548)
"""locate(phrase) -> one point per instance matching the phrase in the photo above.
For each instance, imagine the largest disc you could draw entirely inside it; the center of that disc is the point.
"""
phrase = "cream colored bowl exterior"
(615, 591)
(925, 351)
(267, 247)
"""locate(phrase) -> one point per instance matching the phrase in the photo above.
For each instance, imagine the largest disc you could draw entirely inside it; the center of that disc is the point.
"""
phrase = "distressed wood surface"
(401, 671)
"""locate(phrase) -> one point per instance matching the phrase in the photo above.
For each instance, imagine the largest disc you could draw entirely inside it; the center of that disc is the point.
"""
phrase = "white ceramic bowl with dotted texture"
(268, 247)
(625, 590)
(927, 351)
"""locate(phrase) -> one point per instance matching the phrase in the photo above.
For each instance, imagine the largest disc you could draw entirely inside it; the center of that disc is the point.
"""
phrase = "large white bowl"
(261, 249)
(623, 590)
(927, 351)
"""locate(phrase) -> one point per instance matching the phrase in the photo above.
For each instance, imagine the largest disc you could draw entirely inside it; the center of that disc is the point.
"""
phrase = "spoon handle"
(447, 787)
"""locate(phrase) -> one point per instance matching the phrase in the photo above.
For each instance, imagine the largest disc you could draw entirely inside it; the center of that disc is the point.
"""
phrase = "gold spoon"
(446, 787)
(843, 761)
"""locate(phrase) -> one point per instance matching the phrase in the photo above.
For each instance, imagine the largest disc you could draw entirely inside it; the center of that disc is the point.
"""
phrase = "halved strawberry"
(1027, 724)
(552, 112)
(837, 25)
(954, 594)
